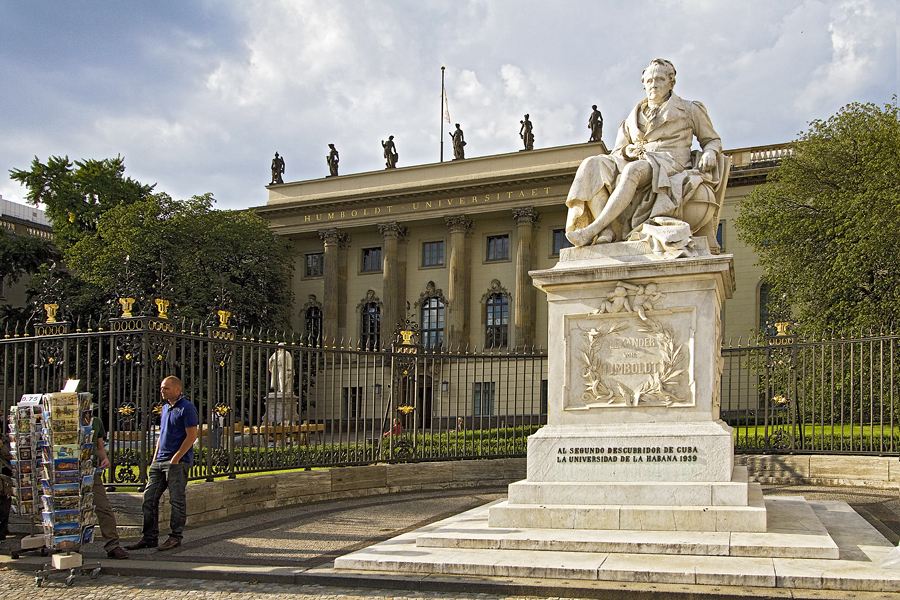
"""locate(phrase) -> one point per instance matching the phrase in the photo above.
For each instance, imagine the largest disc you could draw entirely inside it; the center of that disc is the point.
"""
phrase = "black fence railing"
(271, 404)
(790, 395)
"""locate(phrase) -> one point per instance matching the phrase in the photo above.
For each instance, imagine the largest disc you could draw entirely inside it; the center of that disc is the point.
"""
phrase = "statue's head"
(594, 106)
(331, 146)
(658, 79)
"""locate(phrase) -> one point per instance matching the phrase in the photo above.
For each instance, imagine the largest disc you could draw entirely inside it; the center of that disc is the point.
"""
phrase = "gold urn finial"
(162, 306)
(782, 328)
(127, 304)
(224, 315)
(51, 312)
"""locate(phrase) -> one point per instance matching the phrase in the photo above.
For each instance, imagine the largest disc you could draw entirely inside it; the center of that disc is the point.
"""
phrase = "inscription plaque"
(622, 360)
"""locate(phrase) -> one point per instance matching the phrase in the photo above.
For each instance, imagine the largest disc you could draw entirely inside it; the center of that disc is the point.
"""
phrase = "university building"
(452, 243)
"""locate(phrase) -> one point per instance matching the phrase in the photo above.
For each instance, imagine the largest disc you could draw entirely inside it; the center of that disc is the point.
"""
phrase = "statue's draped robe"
(666, 139)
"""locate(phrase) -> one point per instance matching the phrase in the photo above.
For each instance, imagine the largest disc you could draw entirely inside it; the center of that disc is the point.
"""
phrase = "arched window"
(314, 326)
(370, 321)
(496, 315)
(432, 302)
(432, 323)
(496, 332)
(312, 321)
(371, 326)
(769, 310)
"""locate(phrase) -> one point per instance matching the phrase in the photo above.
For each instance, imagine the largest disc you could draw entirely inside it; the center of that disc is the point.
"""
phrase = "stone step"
(750, 518)
(656, 493)
(795, 532)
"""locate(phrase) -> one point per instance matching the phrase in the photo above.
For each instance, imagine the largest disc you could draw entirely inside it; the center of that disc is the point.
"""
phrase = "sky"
(197, 96)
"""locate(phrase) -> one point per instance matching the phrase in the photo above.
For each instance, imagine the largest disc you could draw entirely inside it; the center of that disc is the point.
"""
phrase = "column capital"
(526, 216)
(392, 229)
(459, 224)
(334, 237)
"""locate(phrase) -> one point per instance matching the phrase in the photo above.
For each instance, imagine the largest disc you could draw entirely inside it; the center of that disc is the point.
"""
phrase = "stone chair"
(703, 216)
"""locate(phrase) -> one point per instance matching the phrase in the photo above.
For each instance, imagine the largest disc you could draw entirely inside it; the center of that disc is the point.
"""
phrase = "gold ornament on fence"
(224, 315)
(51, 312)
(162, 306)
(127, 305)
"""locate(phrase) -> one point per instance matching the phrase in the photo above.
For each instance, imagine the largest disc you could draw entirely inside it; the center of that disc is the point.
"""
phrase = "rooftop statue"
(277, 169)
(651, 176)
(595, 124)
(526, 132)
(333, 159)
(459, 143)
(390, 153)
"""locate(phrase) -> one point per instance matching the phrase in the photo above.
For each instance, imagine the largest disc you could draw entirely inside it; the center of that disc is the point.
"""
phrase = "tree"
(119, 239)
(22, 255)
(200, 259)
(825, 225)
(76, 196)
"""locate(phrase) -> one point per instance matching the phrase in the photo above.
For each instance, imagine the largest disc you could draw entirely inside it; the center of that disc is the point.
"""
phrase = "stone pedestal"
(634, 439)
(281, 409)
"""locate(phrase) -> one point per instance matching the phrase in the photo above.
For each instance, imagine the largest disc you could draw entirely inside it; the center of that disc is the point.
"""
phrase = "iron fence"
(834, 395)
(269, 403)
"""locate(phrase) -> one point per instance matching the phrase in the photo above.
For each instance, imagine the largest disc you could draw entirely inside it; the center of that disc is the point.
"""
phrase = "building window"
(313, 322)
(498, 247)
(433, 323)
(315, 264)
(371, 260)
(371, 326)
(720, 235)
(353, 397)
(544, 396)
(484, 398)
(560, 241)
(497, 328)
(433, 254)
(769, 312)
(2, 288)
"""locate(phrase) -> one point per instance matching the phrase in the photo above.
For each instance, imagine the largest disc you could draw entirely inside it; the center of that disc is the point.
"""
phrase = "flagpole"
(443, 94)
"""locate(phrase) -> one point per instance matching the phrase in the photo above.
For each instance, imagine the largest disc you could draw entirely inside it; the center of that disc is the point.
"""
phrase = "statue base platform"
(281, 409)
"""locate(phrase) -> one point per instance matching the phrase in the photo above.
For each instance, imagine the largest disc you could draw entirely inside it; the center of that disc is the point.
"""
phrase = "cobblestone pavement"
(19, 585)
(304, 540)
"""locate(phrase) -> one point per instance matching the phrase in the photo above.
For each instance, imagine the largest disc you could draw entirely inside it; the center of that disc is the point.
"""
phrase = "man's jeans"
(161, 476)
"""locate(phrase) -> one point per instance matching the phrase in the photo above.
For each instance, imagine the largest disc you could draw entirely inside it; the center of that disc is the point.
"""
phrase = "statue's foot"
(606, 236)
(581, 237)
(585, 236)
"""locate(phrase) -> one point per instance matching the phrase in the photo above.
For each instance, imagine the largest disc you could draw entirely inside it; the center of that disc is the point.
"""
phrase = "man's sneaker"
(117, 553)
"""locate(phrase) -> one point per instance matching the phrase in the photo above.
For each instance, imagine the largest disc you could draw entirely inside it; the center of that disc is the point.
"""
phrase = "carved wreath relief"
(626, 355)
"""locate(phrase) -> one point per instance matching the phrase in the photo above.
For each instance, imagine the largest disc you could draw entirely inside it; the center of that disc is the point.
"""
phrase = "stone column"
(393, 308)
(525, 291)
(456, 334)
(334, 309)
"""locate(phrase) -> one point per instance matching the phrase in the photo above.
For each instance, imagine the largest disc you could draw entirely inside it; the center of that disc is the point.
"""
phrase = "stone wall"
(226, 498)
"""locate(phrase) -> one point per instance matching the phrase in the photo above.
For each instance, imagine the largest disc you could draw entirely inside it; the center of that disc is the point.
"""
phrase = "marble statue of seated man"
(651, 171)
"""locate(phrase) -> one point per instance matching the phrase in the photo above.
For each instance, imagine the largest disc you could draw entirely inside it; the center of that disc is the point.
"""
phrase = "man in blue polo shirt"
(172, 460)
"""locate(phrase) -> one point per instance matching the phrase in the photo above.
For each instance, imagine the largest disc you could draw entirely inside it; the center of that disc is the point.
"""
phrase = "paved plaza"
(289, 554)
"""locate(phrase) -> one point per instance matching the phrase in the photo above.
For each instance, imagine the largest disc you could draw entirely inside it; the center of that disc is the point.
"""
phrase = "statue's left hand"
(708, 161)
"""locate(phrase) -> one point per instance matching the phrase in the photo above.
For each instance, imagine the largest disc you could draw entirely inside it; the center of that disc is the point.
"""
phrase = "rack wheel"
(95, 573)
(70, 580)
(38, 581)
(44, 551)
(14, 555)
